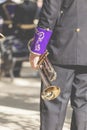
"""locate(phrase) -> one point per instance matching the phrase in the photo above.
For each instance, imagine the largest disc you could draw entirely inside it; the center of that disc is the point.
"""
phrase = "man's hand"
(33, 59)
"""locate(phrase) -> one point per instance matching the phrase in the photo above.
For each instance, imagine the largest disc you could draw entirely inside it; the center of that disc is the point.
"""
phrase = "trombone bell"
(50, 93)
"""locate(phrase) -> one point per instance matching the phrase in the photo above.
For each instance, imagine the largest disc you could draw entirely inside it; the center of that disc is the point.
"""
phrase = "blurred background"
(18, 19)
(19, 83)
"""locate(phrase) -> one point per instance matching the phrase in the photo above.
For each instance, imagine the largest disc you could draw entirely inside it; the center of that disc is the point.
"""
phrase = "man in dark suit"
(62, 30)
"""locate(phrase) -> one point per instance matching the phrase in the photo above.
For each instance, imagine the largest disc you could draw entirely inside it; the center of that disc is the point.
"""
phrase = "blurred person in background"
(62, 30)
(15, 44)
(39, 6)
(24, 20)
(24, 27)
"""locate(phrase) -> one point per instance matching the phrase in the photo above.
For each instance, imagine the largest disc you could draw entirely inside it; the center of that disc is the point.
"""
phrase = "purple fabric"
(41, 39)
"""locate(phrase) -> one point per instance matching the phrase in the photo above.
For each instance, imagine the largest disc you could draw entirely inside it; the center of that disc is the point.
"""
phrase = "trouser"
(73, 85)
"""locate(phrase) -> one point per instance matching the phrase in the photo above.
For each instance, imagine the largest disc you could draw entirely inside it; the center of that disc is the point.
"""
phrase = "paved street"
(19, 102)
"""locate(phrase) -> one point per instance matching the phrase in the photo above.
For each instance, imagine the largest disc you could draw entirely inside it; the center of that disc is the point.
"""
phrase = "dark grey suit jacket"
(68, 20)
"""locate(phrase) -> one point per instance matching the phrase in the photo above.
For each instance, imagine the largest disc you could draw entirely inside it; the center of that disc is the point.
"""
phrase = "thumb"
(36, 59)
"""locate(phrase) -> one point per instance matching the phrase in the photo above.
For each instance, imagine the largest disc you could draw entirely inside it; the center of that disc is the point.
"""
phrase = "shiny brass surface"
(50, 93)
(48, 75)
(1, 36)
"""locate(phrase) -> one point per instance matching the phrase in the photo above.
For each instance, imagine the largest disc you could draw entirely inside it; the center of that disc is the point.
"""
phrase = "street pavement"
(19, 102)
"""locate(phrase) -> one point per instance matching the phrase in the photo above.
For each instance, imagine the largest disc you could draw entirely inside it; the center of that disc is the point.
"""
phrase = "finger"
(36, 59)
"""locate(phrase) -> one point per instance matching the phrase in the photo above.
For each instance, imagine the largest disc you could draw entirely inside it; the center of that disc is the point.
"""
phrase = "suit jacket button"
(61, 11)
(78, 30)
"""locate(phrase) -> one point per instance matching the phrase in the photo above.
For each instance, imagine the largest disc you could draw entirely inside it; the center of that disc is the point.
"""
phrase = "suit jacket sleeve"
(50, 12)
